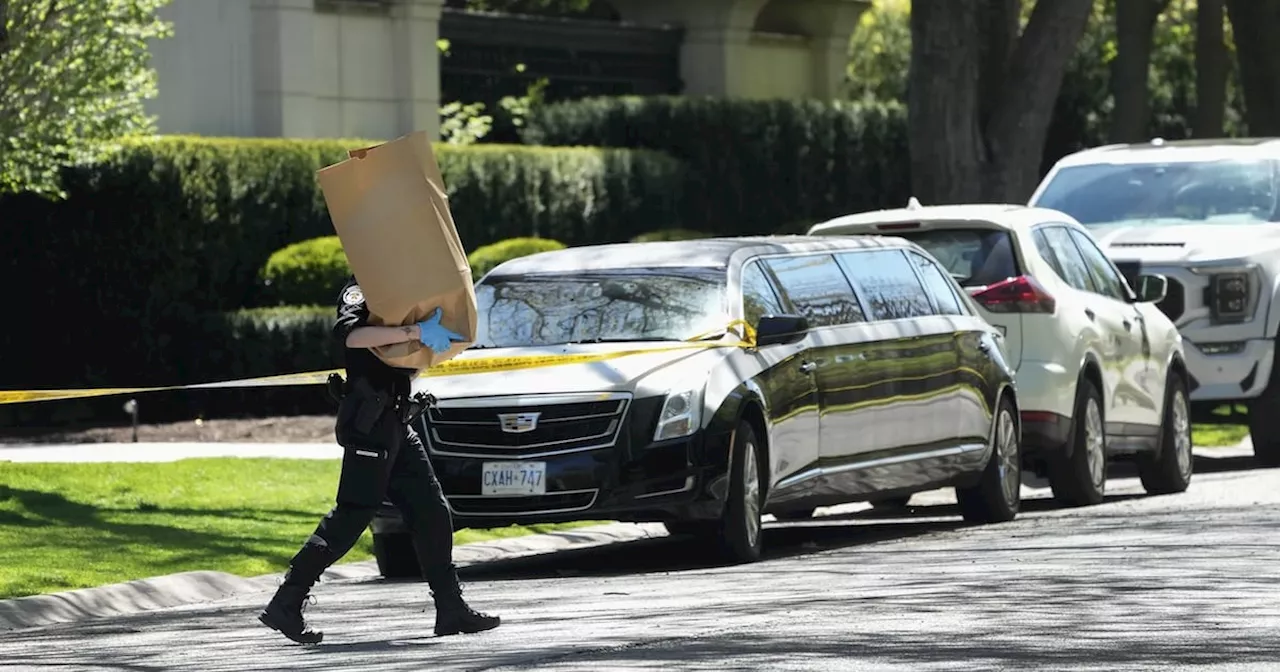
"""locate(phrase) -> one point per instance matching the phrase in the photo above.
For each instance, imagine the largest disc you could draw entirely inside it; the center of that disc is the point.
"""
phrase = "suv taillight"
(1016, 295)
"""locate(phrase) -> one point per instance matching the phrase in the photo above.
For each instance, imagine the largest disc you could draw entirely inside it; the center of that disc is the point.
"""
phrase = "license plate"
(505, 479)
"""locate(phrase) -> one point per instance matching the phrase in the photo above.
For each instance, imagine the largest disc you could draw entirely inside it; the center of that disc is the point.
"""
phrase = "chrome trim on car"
(595, 494)
(545, 402)
(879, 462)
(688, 485)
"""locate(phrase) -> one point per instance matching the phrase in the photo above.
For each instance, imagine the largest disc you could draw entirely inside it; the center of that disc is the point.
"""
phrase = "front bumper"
(633, 479)
(1229, 376)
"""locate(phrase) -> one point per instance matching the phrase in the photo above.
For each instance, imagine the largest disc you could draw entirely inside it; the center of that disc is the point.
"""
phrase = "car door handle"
(808, 367)
(1127, 325)
(1090, 313)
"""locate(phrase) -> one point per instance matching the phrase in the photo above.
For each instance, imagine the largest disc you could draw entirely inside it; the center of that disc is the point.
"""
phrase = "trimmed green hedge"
(755, 165)
(170, 229)
(211, 347)
(305, 273)
(490, 257)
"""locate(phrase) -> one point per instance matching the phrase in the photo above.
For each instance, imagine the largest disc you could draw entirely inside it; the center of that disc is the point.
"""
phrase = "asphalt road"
(1176, 582)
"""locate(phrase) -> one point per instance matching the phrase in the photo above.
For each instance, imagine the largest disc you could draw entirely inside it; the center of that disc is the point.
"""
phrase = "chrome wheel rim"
(1094, 444)
(751, 493)
(1181, 433)
(1007, 454)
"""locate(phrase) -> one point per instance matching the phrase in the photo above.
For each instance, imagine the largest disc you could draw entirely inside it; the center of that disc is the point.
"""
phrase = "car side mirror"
(1152, 288)
(781, 330)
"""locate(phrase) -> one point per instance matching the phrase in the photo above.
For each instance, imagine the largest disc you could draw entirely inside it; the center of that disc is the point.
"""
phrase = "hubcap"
(1181, 433)
(1007, 453)
(751, 493)
(1095, 454)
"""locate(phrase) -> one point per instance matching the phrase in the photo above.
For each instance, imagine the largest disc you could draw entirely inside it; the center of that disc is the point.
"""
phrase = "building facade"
(372, 69)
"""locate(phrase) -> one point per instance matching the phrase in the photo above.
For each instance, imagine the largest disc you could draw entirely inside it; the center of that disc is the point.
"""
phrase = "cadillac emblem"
(518, 423)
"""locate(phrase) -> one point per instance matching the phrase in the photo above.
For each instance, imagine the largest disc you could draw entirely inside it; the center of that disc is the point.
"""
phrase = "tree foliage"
(73, 78)
(881, 53)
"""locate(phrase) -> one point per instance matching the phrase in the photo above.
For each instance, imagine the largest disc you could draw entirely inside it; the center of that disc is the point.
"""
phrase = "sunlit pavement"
(1181, 581)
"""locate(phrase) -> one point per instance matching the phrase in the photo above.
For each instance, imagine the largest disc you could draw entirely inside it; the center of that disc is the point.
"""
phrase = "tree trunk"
(943, 98)
(1130, 75)
(1211, 71)
(980, 98)
(1255, 23)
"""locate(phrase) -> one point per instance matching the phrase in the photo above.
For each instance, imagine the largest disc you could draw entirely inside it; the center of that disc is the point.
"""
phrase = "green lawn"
(67, 526)
(1217, 435)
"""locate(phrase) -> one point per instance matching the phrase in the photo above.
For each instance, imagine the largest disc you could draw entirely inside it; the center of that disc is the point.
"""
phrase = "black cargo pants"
(383, 458)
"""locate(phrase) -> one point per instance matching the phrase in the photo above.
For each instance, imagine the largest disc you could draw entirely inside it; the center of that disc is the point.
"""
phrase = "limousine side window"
(890, 285)
(937, 285)
(817, 289)
(758, 297)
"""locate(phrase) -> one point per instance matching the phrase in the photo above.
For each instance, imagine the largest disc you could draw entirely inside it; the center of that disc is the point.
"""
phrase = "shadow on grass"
(88, 528)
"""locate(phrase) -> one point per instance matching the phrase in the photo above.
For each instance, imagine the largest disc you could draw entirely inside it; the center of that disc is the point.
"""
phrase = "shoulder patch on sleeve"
(353, 296)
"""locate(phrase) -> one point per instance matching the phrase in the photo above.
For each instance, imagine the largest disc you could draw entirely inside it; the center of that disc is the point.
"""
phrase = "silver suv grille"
(536, 425)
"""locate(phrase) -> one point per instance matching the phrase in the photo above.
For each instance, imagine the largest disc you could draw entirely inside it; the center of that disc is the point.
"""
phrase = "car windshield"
(600, 306)
(1227, 191)
(974, 257)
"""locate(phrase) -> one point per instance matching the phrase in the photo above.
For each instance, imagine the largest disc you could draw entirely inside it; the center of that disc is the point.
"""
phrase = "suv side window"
(1074, 268)
(890, 285)
(1105, 278)
(817, 289)
(758, 296)
(938, 286)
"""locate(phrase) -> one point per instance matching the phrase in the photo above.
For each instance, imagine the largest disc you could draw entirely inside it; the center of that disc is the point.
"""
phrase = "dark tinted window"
(974, 257)
(937, 285)
(1105, 278)
(818, 289)
(888, 283)
(758, 297)
(1074, 269)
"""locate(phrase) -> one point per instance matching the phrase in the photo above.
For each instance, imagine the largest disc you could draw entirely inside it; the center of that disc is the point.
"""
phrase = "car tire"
(395, 556)
(741, 532)
(1079, 477)
(997, 497)
(1264, 422)
(1169, 471)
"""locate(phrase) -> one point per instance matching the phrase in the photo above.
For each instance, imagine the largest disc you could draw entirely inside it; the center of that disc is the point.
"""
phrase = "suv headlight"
(681, 415)
(1232, 294)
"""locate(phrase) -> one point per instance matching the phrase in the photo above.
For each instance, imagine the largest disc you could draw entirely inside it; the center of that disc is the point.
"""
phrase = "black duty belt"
(406, 407)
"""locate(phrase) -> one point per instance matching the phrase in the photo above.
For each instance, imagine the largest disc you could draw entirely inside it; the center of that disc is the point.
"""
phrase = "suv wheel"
(1079, 478)
(998, 495)
(1264, 422)
(1169, 470)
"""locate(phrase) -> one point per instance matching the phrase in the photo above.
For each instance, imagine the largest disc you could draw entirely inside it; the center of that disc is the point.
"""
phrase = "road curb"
(201, 587)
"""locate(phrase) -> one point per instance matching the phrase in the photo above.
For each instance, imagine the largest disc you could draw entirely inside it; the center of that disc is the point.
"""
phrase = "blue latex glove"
(433, 335)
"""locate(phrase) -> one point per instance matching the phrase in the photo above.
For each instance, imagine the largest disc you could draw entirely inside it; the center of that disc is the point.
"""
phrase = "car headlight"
(681, 415)
(1232, 293)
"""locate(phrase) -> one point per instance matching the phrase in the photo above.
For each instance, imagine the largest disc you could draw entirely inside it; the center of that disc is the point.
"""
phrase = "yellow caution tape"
(450, 368)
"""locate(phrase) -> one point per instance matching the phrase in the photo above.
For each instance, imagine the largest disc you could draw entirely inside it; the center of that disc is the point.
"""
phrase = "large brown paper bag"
(391, 212)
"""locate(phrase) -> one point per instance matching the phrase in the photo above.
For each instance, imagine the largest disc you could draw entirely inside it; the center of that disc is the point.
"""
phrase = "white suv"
(1100, 370)
(1205, 214)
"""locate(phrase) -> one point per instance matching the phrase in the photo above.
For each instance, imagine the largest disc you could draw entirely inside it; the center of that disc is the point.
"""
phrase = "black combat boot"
(284, 613)
(453, 615)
